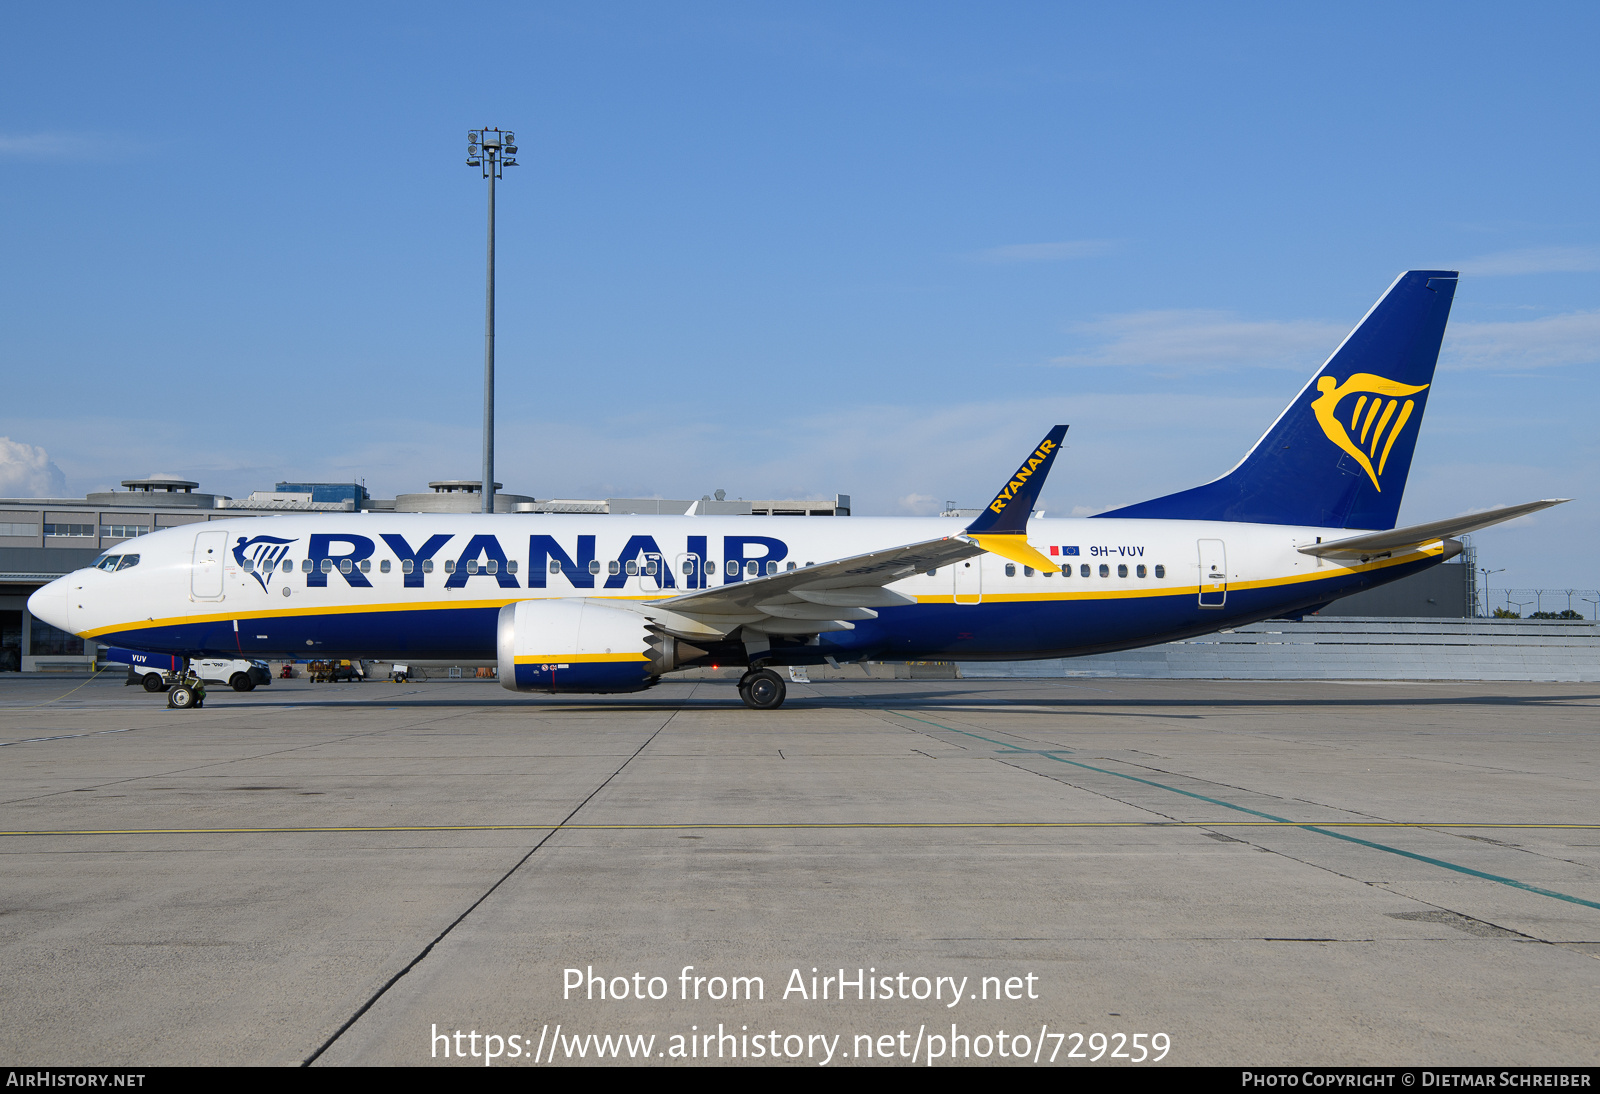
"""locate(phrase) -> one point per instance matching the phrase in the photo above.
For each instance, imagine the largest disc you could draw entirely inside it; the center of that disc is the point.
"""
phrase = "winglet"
(1002, 528)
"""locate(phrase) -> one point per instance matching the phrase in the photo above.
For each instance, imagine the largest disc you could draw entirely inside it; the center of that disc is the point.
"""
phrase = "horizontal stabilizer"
(1401, 539)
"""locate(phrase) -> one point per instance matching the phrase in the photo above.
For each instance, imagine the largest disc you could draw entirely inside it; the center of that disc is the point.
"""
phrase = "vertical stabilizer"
(1338, 457)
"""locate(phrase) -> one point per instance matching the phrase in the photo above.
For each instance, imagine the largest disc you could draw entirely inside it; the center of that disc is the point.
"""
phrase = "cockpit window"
(128, 561)
(108, 562)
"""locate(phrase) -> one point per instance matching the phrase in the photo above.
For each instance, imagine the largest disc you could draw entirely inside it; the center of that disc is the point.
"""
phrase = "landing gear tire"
(182, 697)
(153, 682)
(762, 690)
(240, 682)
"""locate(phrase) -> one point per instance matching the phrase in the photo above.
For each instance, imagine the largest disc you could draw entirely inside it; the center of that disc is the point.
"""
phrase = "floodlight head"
(511, 149)
(511, 137)
(472, 137)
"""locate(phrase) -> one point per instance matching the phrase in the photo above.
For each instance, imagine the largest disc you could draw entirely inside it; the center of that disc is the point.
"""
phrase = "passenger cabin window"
(472, 565)
(613, 567)
(407, 566)
(511, 567)
(1122, 570)
(1083, 571)
(366, 565)
(327, 565)
(1161, 571)
(249, 566)
(1011, 569)
(688, 566)
(305, 565)
(427, 565)
(345, 565)
(449, 565)
(650, 567)
(1105, 571)
(555, 567)
(772, 568)
(288, 565)
(1027, 571)
(594, 565)
(383, 567)
(791, 566)
(711, 565)
(632, 568)
(933, 572)
(1140, 571)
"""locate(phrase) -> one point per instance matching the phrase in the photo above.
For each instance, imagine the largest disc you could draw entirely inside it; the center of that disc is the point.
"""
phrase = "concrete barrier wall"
(1347, 649)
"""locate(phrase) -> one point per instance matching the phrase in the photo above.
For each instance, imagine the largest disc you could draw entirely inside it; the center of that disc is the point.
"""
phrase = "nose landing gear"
(762, 689)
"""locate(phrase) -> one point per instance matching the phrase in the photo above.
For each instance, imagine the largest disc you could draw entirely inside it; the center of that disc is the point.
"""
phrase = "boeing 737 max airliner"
(580, 603)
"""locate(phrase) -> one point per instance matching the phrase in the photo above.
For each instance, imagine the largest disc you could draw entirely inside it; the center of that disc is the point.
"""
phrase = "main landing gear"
(762, 689)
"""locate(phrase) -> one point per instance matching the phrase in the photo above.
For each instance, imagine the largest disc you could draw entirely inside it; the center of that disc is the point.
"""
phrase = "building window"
(1122, 570)
(124, 531)
(78, 531)
(29, 530)
(1105, 571)
(1161, 571)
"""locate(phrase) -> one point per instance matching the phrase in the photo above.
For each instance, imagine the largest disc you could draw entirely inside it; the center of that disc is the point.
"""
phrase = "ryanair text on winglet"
(1024, 473)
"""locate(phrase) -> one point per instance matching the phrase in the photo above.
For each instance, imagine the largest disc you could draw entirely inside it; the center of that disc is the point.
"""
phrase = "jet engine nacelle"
(583, 646)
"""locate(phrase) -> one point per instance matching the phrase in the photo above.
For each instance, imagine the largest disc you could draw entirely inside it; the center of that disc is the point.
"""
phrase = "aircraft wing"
(828, 597)
(1400, 539)
(814, 598)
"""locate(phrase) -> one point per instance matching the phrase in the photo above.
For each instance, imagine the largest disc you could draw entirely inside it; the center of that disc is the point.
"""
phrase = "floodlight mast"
(490, 150)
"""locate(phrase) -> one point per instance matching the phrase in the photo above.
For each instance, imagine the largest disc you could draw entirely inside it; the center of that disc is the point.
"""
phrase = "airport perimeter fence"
(1347, 648)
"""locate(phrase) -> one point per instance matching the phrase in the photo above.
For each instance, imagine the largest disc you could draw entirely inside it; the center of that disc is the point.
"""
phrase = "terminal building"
(43, 538)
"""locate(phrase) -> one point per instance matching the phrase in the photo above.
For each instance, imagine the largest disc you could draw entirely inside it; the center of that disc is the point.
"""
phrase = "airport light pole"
(491, 150)
(1486, 572)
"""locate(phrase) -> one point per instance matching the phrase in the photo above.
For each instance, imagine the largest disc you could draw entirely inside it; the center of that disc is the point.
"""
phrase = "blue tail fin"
(1339, 455)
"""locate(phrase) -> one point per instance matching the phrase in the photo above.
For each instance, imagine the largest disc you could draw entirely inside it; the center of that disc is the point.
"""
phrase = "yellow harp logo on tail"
(1385, 415)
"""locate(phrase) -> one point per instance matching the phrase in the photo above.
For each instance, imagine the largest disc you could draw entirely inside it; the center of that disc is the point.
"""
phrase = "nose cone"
(50, 604)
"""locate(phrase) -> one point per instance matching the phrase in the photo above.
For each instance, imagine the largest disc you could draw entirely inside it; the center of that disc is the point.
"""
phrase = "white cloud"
(1204, 341)
(1533, 260)
(63, 146)
(1572, 338)
(26, 471)
(921, 505)
(1050, 252)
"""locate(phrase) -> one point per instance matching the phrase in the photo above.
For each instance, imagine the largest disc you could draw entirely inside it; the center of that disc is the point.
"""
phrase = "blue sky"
(793, 249)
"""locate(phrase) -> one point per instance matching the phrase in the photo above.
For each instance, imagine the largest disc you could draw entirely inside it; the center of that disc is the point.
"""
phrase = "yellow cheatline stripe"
(446, 605)
(581, 658)
(332, 609)
(798, 825)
